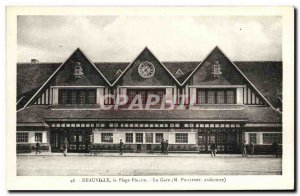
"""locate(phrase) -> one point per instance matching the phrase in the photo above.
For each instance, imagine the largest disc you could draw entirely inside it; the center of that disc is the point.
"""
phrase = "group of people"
(165, 147)
(213, 148)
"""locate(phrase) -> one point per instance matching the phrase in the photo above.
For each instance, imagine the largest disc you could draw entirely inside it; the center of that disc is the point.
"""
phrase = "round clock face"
(146, 69)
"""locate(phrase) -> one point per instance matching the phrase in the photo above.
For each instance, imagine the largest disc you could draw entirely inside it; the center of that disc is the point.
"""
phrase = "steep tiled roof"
(30, 76)
(266, 77)
(254, 114)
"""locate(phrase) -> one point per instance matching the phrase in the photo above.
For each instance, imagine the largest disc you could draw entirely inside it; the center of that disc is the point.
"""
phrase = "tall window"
(149, 137)
(210, 97)
(201, 97)
(159, 137)
(139, 138)
(269, 138)
(38, 137)
(252, 137)
(181, 137)
(107, 137)
(129, 137)
(221, 139)
(230, 97)
(220, 97)
(216, 96)
(77, 96)
(131, 93)
(22, 137)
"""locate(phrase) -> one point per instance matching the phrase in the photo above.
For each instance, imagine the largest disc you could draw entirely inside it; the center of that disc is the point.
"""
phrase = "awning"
(263, 125)
(34, 124)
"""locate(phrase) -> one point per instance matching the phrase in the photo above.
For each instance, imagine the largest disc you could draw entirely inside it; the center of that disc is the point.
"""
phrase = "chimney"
(33, 61)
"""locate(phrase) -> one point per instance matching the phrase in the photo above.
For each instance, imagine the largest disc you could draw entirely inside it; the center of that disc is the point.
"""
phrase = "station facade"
(190, 104)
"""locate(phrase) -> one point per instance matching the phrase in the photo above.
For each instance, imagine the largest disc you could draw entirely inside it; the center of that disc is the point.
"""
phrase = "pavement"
(145, 164)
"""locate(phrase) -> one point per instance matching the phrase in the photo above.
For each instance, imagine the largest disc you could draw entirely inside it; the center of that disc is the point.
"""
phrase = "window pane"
(221, 139)
(211, 97)
(252, 137)
(230, 97)
(82, 99)
(220, 97)
(107, 137)
(129, 137)
(92, 97)
(74, 97)
(38, 137)
(149, 137)
(22, 137)
(159, 137)
(139, 137)
(269, 138)
(181, 138)
(201, 97)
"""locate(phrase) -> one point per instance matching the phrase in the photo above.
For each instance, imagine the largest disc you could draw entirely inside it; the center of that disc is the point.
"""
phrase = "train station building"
(144, 101)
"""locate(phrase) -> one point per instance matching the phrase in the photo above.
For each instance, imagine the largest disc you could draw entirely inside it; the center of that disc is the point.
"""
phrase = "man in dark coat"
(275, 148)
(244, 149)
(213, 148)
(65, 146)
(251, 148)
(37, 147)
(162, 146)
(166, 147)
(121, 145)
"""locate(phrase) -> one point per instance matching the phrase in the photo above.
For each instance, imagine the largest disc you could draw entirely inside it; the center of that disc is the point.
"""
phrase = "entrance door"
(79, 139)
(211, 137)
(202, 141)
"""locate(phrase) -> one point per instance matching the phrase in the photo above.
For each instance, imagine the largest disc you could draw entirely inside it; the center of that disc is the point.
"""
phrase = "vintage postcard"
(150, 98)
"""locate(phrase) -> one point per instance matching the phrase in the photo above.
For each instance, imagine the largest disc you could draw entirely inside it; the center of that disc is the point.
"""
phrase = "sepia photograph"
(175, 97)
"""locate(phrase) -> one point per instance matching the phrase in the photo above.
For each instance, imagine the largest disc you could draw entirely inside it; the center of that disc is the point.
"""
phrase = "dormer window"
(119, 72)
(179, 72)
(78, 70)
(216, 69)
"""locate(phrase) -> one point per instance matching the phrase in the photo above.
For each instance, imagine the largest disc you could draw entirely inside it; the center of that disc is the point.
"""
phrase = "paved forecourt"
(146, 164)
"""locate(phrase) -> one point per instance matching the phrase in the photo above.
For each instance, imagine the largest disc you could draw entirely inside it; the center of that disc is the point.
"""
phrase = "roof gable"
(161, 76)
(217, 54)
(63, 75)
(109, 69)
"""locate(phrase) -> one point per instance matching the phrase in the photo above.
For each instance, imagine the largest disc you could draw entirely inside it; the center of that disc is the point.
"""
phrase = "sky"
(170, 38)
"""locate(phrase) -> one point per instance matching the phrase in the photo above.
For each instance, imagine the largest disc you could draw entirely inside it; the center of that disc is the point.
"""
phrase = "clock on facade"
(146, 69)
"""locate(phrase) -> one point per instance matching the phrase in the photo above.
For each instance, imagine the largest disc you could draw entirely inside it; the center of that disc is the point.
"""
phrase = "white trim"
(54, 73)
(20, 99)
(146, 86)
(136, 59)
(76, 108)
(217, 86)
(77, 86)
(94, 66)
(179, 72)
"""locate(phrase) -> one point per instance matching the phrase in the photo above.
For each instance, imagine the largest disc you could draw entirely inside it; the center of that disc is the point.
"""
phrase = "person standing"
(37, 147)
(244, 149)
(251, 148)
(167, 147)
(162, 146)
(121, 145)
(275, 148)
(65, 146)
(213, 149)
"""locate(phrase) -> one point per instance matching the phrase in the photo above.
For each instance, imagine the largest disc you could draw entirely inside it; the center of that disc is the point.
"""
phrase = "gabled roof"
(266, 76)
(146, 49)
(237, 68)
(60, 66)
